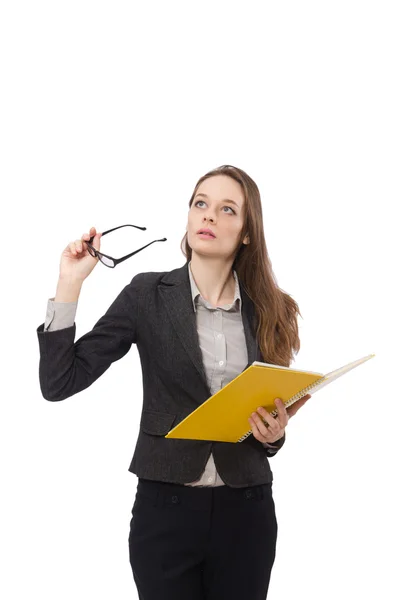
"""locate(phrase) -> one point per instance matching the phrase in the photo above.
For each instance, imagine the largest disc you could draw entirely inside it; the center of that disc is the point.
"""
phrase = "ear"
(246, 240)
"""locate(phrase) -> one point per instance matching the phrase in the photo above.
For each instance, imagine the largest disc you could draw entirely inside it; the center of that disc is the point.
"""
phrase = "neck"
(213, 277)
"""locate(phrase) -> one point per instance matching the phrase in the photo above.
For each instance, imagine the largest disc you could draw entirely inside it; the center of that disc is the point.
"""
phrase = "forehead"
(221, 187)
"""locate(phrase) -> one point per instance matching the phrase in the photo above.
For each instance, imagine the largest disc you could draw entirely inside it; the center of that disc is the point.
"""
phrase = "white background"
(110, 112)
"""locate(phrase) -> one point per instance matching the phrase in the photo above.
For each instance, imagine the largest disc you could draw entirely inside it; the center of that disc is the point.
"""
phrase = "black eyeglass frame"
(98, 254)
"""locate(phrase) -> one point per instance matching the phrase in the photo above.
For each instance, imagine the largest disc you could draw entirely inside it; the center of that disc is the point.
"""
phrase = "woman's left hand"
(275, 428)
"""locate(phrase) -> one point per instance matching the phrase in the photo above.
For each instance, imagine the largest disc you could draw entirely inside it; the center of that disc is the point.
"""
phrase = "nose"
(209, 218)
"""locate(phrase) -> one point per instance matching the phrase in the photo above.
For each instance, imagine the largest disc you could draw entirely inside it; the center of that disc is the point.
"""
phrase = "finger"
(256, 432)
(282, 415)
(273, 422)
(265, 431)
(96, 241)
(87, 236)
(84, 242)
(79, 246)
(292, 410)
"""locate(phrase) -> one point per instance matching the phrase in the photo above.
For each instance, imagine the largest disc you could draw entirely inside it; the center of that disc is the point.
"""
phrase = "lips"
(206, 232)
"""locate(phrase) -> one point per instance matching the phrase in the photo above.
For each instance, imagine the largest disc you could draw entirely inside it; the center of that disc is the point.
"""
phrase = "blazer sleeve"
(67, 367)
(275, 447)
(59, 315)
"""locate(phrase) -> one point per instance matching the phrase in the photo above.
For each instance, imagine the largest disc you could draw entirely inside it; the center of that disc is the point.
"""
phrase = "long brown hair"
(276, 312)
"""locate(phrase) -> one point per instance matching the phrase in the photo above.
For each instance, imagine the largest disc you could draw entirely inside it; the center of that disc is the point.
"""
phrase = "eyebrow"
(224, 200)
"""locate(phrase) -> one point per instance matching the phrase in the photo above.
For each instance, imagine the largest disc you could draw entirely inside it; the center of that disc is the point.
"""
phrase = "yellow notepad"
(224, 416)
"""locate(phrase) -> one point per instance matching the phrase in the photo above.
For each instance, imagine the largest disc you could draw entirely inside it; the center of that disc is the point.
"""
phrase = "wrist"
(278, 442)
(68, 290)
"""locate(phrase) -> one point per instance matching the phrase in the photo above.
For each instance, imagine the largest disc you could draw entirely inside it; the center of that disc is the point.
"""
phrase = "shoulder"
(146, 283)
(151, 279)
(148, 279)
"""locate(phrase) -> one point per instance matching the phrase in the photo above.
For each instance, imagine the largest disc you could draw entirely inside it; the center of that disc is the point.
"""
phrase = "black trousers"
(191, 543)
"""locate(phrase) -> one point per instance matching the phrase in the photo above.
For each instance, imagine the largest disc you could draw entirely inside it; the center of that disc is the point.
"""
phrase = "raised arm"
(67, 366)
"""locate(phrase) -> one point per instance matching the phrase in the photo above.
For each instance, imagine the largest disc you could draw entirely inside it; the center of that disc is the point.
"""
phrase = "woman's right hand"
(76, 262)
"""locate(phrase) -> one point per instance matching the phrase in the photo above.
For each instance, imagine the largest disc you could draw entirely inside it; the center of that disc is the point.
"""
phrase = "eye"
(233, 211)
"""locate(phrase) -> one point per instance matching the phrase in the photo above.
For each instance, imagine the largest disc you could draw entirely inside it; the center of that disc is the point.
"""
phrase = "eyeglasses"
(109, 261)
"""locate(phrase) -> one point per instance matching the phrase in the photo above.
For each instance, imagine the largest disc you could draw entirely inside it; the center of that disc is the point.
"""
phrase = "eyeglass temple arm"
(120, 226)
(119, 260)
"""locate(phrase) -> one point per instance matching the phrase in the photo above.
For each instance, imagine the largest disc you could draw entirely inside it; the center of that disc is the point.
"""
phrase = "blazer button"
(174, 499)
(248, 493)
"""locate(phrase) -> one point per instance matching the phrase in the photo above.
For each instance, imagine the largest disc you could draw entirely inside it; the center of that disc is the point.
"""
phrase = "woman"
(203, 523)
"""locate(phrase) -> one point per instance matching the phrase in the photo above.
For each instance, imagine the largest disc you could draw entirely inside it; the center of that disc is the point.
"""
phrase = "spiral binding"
(290, 401)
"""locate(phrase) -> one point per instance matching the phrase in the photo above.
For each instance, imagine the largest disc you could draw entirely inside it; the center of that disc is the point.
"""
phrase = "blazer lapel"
(175, 291)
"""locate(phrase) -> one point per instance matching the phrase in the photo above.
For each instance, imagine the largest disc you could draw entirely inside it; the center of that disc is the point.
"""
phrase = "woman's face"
(221, 209)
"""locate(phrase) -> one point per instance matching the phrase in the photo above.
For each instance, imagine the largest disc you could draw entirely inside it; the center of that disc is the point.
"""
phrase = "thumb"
(293, 409)
(96, 241)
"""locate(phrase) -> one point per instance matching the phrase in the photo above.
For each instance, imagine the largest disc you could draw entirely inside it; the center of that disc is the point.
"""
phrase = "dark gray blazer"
(155, 312)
